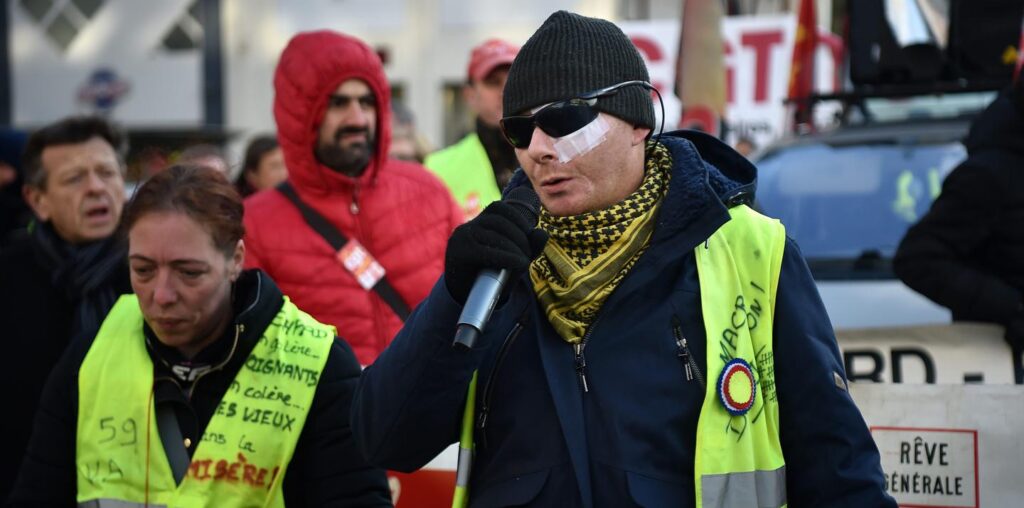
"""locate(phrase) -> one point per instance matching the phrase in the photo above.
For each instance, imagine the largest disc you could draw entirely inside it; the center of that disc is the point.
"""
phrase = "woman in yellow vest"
(207, 387)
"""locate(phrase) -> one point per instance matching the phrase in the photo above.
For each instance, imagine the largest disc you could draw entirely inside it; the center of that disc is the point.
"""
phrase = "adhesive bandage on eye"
(573, 145)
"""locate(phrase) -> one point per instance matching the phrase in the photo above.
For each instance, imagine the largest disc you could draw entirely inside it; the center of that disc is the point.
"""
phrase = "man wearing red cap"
(477, 167)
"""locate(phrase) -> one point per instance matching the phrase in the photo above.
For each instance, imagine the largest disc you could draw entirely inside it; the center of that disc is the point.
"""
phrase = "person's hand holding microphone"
(484, 253)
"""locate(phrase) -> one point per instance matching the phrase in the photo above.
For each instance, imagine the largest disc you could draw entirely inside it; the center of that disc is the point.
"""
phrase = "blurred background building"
(180, 72)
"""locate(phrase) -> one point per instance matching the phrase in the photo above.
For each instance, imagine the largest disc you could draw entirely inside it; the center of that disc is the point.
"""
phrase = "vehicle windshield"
(848, 202)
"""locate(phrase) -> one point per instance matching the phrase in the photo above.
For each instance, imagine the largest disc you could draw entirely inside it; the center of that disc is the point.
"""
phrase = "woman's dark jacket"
(967, 252)
(630, 440)
(326, 469)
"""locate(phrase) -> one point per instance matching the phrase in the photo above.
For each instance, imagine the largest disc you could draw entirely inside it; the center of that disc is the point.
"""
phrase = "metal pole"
(213, 64)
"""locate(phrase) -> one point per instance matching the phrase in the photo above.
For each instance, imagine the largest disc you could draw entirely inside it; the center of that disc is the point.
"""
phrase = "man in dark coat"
(610, 351)
(61, 277)
(967, 252)
(14, 212)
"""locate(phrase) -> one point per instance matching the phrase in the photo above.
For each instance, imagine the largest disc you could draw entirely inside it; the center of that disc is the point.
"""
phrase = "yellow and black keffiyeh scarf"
(589, 254)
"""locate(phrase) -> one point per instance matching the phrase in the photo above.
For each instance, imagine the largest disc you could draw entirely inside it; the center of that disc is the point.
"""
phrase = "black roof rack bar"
(909, 90)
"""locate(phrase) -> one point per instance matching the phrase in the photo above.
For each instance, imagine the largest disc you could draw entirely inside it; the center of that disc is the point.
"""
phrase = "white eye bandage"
(573, 145)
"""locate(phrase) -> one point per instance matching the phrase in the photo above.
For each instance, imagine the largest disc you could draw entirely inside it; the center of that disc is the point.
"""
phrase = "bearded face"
(348, 132)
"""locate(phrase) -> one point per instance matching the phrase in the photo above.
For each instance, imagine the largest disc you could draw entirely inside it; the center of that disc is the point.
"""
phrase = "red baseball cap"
(489, 55)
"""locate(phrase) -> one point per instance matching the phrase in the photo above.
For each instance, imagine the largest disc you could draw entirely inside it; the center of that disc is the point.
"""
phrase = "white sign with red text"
(949, 446)
(758, 51)
(930, 467)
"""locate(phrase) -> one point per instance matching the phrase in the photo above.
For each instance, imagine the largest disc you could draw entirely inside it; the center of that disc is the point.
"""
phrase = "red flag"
(801, 72)
(700, 67)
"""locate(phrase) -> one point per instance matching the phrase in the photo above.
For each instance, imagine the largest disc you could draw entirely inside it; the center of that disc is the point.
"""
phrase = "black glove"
(500, 238)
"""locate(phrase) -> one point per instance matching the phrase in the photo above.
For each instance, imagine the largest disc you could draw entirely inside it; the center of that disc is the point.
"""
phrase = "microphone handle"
(479, 304)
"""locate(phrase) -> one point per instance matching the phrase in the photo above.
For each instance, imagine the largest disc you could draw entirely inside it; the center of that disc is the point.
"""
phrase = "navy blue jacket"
(630, 440)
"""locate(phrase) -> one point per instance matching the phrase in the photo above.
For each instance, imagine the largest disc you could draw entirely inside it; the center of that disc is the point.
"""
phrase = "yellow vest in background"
(466, 170)
(243, 455)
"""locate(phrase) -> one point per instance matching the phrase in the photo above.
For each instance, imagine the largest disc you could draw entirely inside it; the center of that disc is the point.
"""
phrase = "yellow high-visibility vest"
(738, 461)
(466, 170)
(244, 452)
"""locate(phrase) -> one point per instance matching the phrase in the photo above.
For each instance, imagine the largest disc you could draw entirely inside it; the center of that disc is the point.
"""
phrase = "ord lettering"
(856, 360)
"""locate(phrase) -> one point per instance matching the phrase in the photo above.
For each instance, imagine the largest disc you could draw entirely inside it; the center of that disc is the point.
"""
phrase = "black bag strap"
(174, 444)
(337, 240)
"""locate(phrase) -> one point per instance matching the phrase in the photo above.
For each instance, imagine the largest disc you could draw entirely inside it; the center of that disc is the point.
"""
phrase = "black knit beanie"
(570, 55)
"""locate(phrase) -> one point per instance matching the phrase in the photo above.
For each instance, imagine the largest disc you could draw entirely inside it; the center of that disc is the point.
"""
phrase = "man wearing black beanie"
(658, 342)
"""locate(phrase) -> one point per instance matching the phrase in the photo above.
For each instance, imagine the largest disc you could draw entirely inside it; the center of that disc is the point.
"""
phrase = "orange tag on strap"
(360, 263)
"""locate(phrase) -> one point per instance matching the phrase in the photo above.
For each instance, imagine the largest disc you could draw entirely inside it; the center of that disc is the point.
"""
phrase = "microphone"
(484, 294)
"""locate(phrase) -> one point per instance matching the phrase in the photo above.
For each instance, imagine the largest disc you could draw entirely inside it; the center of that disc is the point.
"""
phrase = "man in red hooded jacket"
(332, 107)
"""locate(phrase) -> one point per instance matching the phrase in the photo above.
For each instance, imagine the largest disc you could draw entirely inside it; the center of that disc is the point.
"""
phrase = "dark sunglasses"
(560, 118)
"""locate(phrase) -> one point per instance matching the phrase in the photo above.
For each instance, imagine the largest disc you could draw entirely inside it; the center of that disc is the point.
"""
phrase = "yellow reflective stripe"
(763, 489)
(461, 497)
(115, 503)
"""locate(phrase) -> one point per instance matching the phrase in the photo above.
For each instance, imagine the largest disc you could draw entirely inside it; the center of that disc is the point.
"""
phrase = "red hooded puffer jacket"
(399, 211)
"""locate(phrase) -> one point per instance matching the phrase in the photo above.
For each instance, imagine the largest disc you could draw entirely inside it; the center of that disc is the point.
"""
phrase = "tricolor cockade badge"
(736, 387)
